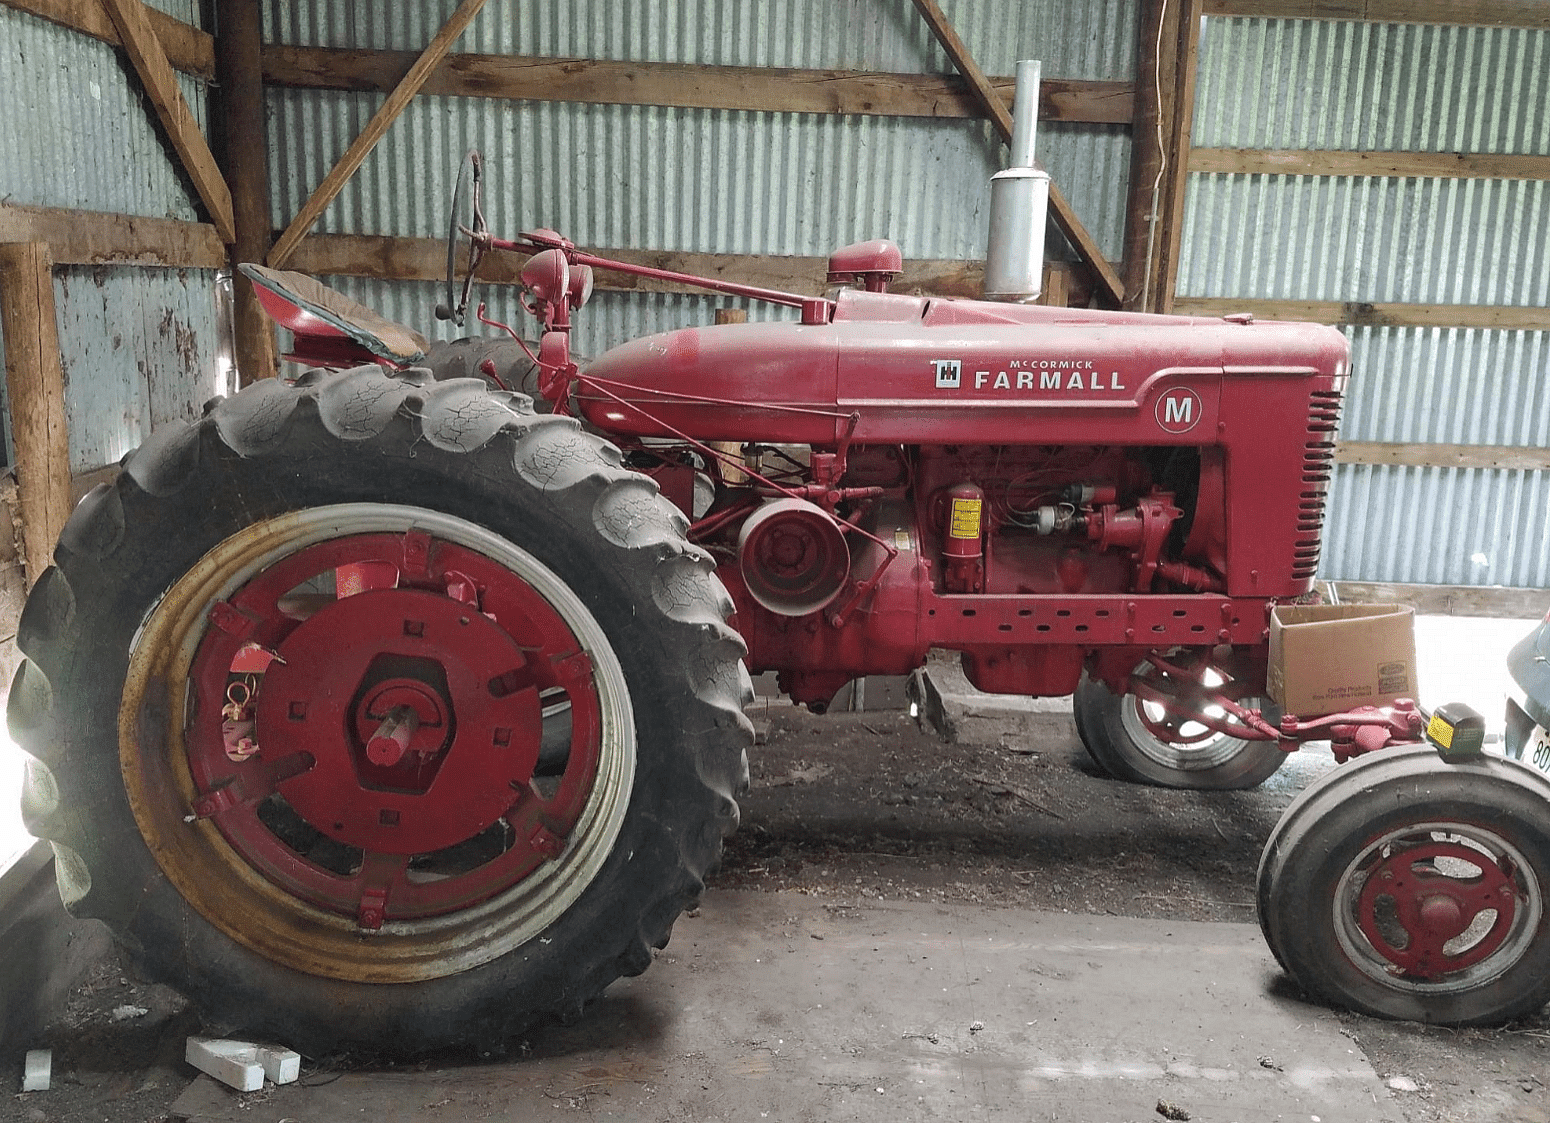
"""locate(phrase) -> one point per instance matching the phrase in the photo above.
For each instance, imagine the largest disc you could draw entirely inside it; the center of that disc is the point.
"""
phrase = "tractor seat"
(319, 317)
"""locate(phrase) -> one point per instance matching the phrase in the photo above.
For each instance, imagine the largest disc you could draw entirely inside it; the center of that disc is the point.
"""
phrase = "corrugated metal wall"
(1317, 84)
(696, 180)
(139, 345)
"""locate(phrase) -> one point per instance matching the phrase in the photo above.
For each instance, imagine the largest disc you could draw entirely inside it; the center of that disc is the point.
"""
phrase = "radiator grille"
(1318, 464)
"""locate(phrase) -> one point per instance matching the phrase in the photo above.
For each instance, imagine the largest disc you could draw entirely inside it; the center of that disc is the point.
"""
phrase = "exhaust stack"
(1019, 201)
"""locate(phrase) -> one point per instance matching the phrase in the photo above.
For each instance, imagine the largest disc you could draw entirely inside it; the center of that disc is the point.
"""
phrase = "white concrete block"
(282, 1066)
(37, 1070)
(231, 1062)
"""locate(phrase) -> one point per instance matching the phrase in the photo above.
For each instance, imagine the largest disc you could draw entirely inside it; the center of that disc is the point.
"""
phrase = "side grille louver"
(1318, 464)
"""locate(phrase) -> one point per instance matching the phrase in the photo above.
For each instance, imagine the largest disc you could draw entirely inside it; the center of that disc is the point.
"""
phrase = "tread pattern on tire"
(278, 436)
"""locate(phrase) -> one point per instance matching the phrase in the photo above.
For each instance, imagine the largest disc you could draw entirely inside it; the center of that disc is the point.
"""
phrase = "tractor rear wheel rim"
(452, 847)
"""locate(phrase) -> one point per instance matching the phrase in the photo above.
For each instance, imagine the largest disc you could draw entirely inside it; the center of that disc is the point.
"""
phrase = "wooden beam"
(1510, 458)
(1181, 131)
(161, 86)
(35, 382)
(239, 51)
(1145, 202)
(1499, 601)
(1444, 165)
(396, 101)
(1471, 13)
(756, 88)
(188, 49)
(95, 238)
(1359, 314)
(425, 259)
(1065, 218)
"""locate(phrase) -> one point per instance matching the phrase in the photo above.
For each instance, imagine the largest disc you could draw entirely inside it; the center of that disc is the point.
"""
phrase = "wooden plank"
(1360, 313)
(1148, 152)
(188, 49)
(247, 168)
(1471, 13)
(1499, 601)
(1444, 165)
(1176, 178)
(425, 259)
(1513, 458)
(756, 88)
(1065, 218)
(400, 97)
(83, 482)
(94, 238)
(35, 382)
(161, 86)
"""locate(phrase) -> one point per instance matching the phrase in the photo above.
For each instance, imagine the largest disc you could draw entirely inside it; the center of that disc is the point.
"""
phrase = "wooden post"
(238, 61)
(1055, 294)
(731, 473)
(36, 383)
(1149, 152)
(1180, 141)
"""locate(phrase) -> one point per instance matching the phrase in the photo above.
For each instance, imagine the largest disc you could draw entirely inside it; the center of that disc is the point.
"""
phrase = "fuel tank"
(896, 369)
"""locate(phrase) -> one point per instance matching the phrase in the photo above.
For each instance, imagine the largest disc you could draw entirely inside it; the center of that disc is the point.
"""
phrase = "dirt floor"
(868, 807)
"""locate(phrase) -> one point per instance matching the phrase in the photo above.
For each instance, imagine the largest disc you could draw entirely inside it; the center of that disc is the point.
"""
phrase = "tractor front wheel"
(1404, 886)
(1115, 730)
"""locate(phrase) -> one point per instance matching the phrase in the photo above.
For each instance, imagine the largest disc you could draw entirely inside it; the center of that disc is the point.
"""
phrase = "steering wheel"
(465, 222)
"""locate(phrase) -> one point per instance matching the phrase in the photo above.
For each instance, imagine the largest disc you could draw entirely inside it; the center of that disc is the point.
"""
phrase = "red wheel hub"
(1411, 907)
(430, 797)
(402, 723)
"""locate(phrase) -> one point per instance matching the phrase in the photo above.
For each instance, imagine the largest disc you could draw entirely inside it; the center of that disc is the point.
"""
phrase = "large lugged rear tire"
(496, 706)
(1404, 886)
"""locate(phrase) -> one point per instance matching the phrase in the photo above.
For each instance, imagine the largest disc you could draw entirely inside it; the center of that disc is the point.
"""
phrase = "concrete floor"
(782, 1007)
(789, 1005)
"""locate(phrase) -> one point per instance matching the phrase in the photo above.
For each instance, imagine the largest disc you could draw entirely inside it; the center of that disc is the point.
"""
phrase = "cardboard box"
(1325, 658)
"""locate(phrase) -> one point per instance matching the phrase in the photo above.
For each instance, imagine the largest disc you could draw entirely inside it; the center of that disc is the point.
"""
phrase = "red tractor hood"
(909, 370)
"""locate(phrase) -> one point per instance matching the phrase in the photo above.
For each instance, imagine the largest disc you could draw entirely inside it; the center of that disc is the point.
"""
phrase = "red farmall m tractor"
(393, 706)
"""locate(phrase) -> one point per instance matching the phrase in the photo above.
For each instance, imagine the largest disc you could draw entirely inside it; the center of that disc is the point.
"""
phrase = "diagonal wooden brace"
(1065, 218)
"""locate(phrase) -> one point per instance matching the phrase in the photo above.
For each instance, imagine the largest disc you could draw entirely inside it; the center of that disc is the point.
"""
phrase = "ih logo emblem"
(1179, 411)
(949, 373)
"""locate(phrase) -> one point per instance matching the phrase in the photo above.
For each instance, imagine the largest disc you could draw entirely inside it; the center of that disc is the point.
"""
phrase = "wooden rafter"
(1065, 218)
(379, 124)
(95, 238)
(188, 49)
(1507, 457)
(681, 85)
(1362, 314)
(161, 86)
(1471, 13)
(1444, 165)
(1501, 602)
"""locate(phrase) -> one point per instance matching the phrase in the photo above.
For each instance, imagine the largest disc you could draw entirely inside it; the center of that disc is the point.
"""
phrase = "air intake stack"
(1019, 200)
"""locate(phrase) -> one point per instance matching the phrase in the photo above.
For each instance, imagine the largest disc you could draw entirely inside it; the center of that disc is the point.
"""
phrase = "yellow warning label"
(1440, 731)
(901, 538)
(965, 522)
